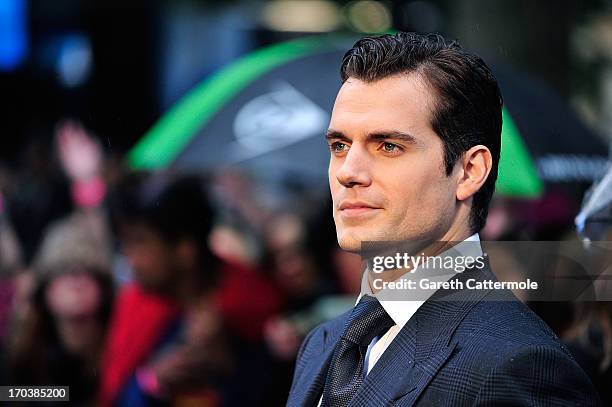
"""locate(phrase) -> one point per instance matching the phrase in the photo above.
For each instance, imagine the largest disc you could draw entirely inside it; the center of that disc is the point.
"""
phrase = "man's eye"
(390, 147)
(338, 147)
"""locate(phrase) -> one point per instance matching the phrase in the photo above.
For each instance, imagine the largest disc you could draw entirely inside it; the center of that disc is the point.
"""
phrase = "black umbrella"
(268, 112)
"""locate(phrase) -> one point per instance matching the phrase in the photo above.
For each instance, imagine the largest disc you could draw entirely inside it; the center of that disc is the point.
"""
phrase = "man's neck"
(458, 232)
(434, 248)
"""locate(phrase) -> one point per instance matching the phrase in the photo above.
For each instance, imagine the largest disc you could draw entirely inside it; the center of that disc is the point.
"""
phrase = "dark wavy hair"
(468, 105)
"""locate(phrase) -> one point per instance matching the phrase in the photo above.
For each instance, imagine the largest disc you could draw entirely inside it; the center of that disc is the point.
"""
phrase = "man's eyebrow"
(335, 134)
(376, 136)
(393, 135)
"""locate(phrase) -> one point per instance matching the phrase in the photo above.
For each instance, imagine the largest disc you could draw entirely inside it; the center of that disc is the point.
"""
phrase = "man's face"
(386, 171)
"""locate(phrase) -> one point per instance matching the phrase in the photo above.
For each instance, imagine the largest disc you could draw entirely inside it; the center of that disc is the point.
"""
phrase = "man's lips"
(356, 208)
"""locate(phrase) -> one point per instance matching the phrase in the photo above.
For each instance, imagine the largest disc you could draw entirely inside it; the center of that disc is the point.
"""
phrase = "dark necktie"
(345, 373)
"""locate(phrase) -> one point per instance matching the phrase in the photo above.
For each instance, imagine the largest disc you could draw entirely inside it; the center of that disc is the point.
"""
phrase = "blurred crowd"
(140, 289)
(189, 289)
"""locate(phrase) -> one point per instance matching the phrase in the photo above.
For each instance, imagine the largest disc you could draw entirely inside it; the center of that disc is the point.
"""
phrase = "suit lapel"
(315, 377)
(312, 379)
(422, 347)
(393, 373)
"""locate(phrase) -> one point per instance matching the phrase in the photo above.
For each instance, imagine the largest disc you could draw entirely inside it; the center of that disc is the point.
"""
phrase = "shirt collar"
(402, 311)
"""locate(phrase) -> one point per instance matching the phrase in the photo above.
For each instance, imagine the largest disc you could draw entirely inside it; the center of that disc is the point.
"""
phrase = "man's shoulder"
(503, 325)
(505, 354)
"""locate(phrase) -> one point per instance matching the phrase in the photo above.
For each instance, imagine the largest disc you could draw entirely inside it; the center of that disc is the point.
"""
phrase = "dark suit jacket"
(465, 347)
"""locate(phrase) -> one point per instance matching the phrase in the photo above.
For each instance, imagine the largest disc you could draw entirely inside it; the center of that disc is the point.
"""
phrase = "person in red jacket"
(183, 329)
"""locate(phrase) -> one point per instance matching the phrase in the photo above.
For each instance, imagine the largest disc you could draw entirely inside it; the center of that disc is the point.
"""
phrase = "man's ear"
(476, 165)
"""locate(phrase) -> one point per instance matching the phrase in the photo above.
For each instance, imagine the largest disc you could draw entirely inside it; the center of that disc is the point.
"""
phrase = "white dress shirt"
(401, 311)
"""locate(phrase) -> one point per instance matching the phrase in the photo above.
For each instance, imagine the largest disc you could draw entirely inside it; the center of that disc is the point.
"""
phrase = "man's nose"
(354, 170)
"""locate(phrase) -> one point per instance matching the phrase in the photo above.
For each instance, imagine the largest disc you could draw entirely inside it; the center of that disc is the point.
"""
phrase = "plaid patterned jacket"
(483, 348)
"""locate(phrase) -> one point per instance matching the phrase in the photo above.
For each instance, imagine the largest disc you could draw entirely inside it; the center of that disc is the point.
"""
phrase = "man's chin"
(348, 242)
(350, 247)
(369, 244)
(353, 243)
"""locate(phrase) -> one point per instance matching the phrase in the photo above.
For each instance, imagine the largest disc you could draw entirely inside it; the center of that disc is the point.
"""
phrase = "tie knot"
(367, 320)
